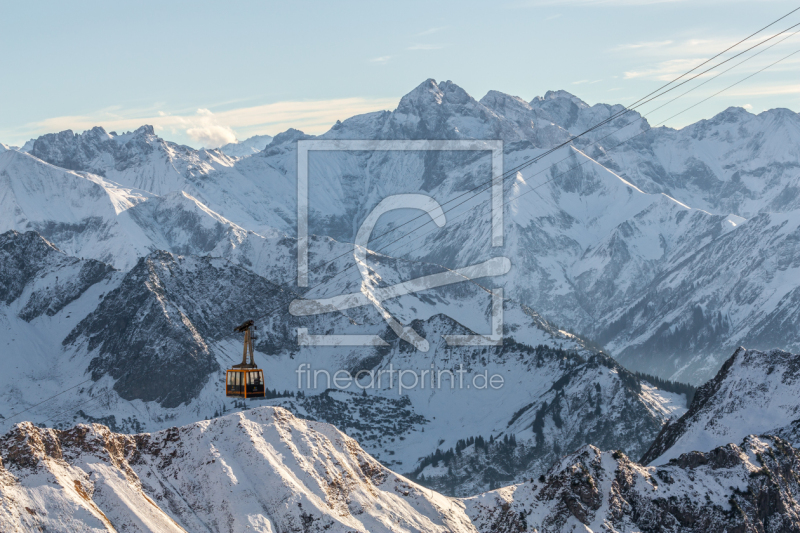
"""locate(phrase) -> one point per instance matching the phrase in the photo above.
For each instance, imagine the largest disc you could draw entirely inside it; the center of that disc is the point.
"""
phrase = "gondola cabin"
(244, 383)
(245, 380)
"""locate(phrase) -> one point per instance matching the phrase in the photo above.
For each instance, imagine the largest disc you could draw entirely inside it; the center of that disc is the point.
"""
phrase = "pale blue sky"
(203, 72)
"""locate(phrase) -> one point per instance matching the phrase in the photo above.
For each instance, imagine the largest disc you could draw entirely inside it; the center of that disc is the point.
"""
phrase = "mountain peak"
(495, 99)
(249, 146)
(288, 136)
(560, 93)
(430, 92)
(146, 129)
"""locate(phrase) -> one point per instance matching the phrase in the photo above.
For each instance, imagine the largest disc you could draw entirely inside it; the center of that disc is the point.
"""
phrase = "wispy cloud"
(426, 46)
(639, 46)
(213, 129)
(430, 31)
(553, 17)
(381, 59)
(766, 90)
(665, 71)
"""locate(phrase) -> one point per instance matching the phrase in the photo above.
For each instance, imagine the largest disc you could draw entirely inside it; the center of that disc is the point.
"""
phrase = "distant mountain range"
(128, 259)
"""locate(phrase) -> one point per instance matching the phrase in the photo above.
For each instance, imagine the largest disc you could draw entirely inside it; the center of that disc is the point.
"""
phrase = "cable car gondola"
(245, 380)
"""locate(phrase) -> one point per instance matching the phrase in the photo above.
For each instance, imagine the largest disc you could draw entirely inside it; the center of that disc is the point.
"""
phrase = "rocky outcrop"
(751, 487)
(48, 279)
(754, 392)
(263, 469)
(152, 332)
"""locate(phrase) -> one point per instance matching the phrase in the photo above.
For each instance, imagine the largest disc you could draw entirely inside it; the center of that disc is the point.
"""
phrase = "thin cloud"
(553, 17)
(430, 31)
(381, 59)
(426, 46)
(639, 46)
(665, 71)
(209, 128)
(766, 90)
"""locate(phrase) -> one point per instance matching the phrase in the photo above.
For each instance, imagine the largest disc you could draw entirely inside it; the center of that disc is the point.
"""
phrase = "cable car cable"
(549, 151)
(532, 189)
(43, 401)
(527, 164)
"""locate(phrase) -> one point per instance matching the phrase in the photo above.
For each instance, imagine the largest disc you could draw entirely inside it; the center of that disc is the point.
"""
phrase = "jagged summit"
(266, 469)
(288, 136)
(262, 469)
(754, 392)
(749, 485)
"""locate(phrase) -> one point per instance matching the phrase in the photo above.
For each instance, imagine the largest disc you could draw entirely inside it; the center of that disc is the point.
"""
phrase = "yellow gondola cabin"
(245, 380)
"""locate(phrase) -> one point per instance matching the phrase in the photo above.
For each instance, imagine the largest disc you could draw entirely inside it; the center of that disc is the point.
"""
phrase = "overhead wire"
(662, 90)
(514, 170)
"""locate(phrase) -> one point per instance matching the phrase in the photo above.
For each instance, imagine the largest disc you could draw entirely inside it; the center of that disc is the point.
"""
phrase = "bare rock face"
(264, 470)
(152, 332)
(34, 269)
(747, 488)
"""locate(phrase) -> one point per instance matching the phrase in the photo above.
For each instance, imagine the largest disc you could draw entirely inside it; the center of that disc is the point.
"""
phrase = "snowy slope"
(89, 216)
(754, 392)
(739, 289)
(157, 339)
(263, 470)
(247, 147)
(142, 160)
(747, 487)
(735, 162)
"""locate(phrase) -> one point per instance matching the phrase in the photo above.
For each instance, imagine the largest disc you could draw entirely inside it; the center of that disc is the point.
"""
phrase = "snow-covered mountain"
(739, 289)
(247, 147)
(138, 159)
(752, 486)
(754, 392)
(263, 470)
(155, 342)
(735, 162)
(627, 245)
(595, 248)
(87, 215)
